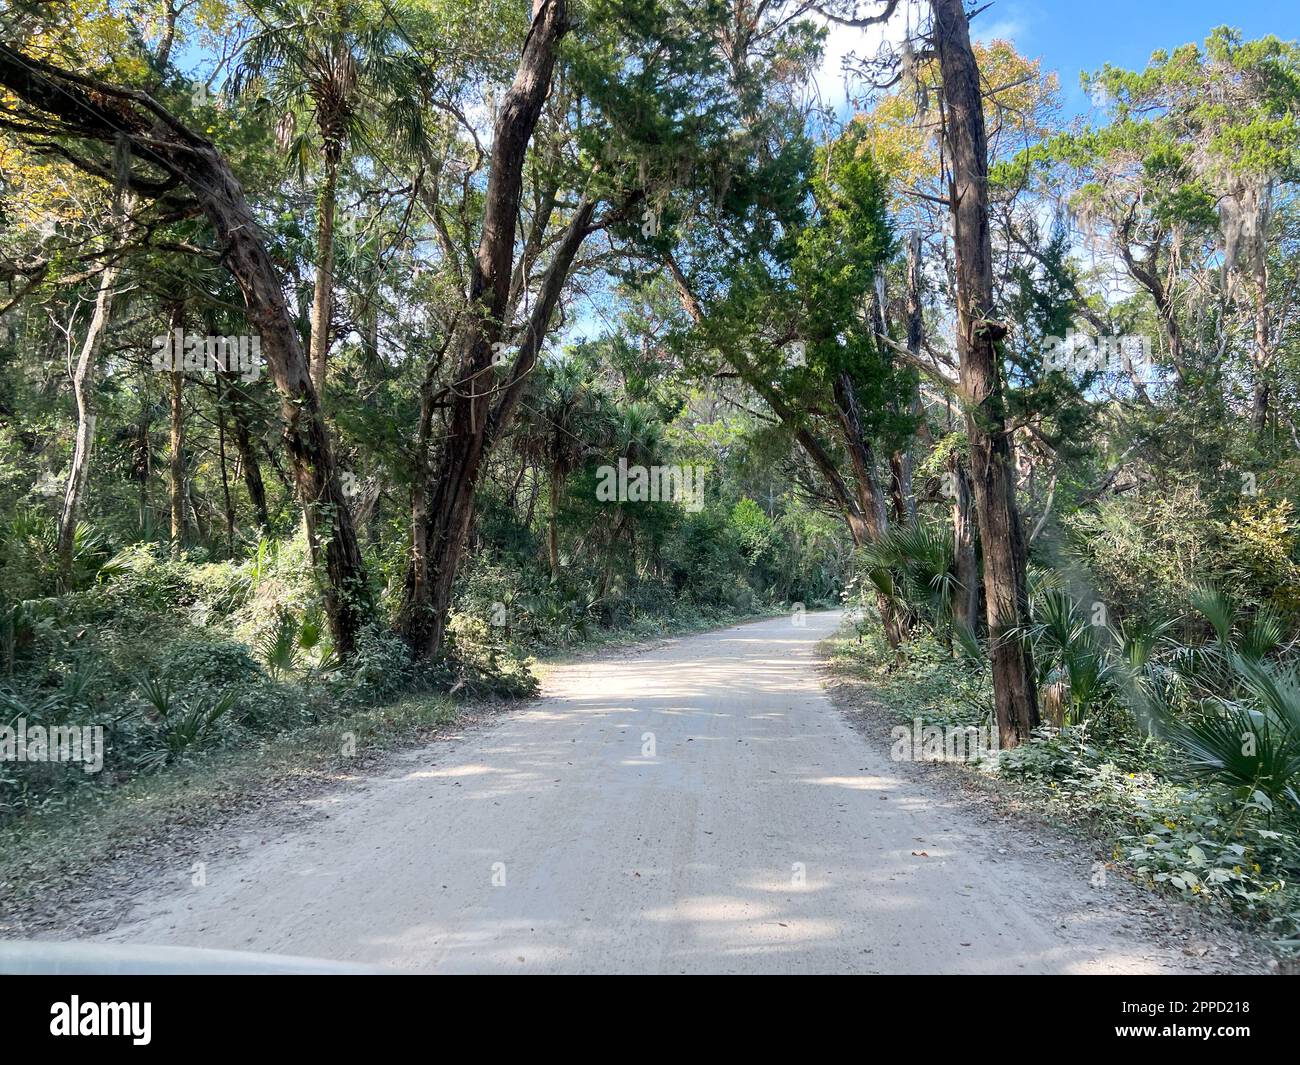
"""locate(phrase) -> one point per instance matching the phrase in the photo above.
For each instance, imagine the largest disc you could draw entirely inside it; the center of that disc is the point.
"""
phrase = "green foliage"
(293, 644)
(1068, 649)
(1183, 757)
(29, 559)
(381, 668)
(912, 565)
(1191, 846)
(754, 528)
(1243, 727)
(183, 727)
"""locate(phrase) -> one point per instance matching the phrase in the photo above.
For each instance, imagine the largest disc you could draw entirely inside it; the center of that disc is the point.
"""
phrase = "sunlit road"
(698, 807)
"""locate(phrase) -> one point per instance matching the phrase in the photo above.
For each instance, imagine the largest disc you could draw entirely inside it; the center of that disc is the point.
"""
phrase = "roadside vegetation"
(1173, 741)
(1160, 607)
(179, 658)
(354, 355)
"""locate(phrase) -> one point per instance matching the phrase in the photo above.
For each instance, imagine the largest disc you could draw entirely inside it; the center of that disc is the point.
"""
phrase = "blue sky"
(1070, 37)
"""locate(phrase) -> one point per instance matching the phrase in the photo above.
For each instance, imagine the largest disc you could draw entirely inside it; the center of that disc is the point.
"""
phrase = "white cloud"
(1007, 29)
(843, 41)
(1008, 21)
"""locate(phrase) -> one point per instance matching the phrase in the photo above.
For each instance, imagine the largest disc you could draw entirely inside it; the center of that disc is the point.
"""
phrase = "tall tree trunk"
(475, 423)
(84, 380)
(512, 497)
(532, 499)
(870, 495)
(900, 462)
(553, 526)
(416, 597)
(607, 574)
(978, 335)
(146, 459)
(176, 454)
(963, 534)
(323, 296)
(176, 462)
(451, 502)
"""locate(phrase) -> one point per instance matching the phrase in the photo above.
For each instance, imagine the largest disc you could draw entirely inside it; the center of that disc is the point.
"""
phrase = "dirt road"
(697, 807)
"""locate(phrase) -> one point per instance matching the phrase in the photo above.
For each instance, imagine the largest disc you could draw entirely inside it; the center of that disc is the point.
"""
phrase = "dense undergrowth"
(179, 660)
(1181, 761)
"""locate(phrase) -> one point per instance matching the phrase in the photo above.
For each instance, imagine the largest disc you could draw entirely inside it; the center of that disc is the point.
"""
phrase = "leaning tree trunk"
(475, 423)
(84, 379)
(451, 504)
(860, 524)
(978, 336)
(55, 100)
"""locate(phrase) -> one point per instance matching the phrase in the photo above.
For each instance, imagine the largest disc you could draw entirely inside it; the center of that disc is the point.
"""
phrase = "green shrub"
(184, 726)
(1191, 845)
(381, 668)
(29, 561)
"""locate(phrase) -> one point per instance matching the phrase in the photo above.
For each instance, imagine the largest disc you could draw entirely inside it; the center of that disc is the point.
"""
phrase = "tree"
(1218, 137)
(176, 451)
(648, 103)
(979, 333)
(341, 62)
(84, 379)
(480, 410)
(560, 425)
(51, 102)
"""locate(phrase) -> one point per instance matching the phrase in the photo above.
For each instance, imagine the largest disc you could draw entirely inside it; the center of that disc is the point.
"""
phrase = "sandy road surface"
(761, 834)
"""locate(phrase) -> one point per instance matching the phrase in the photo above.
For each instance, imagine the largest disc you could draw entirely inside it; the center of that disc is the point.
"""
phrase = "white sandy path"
(684, 861)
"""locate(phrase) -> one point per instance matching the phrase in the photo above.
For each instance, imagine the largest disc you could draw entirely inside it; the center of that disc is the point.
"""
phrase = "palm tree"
(351, 73)
(637, 434)
(561, 424)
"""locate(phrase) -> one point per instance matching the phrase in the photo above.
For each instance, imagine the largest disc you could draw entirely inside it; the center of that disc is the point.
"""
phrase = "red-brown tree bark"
(978, 336)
